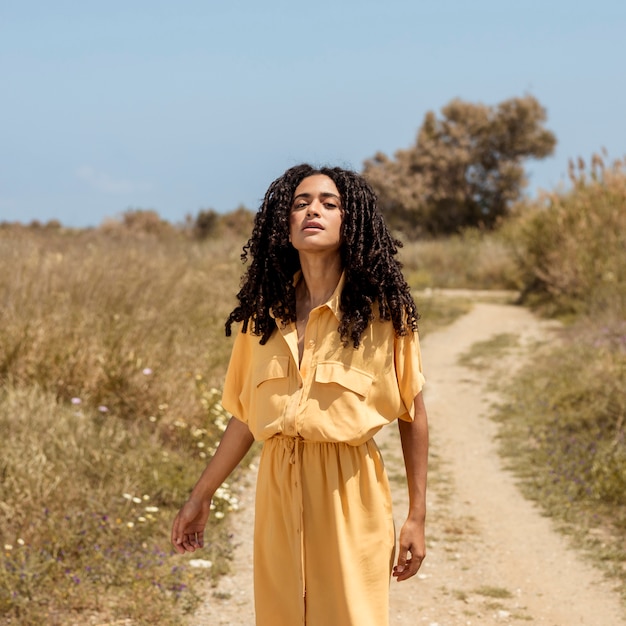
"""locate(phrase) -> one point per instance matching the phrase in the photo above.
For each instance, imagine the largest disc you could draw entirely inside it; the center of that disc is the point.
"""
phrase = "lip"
(313, 226)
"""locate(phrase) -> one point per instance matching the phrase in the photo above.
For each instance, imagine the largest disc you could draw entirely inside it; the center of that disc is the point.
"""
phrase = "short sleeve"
(408, 363)
(233, 383)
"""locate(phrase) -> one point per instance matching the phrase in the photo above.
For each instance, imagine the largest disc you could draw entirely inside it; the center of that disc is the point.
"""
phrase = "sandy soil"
(492, 558)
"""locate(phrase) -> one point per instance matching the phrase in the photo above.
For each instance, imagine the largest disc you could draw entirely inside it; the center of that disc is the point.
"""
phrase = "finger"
(176, 537)
(401, 562)
(411, 568)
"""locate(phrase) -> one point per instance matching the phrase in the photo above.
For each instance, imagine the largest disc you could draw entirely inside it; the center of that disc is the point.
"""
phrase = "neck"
(321, 275)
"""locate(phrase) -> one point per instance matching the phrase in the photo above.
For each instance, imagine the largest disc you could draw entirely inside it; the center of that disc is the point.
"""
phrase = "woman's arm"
(414, 439)
(189, 524)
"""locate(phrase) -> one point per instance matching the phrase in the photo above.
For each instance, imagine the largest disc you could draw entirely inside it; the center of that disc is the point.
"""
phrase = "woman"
(327, 354)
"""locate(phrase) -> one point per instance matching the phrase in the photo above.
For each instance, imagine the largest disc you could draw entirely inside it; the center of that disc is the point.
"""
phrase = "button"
(311, 343)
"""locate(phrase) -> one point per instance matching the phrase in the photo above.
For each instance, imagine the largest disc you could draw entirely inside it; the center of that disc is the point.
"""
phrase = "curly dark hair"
(368, 256)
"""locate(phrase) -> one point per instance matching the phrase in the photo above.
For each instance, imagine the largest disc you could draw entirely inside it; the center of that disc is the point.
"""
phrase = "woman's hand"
(412, 550)
(189, 524)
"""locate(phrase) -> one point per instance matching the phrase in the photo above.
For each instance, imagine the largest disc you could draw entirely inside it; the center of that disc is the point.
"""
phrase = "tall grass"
(110, 349)
(473, 260)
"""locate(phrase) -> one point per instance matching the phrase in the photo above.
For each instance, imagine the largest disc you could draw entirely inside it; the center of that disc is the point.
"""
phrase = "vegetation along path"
(492, 557)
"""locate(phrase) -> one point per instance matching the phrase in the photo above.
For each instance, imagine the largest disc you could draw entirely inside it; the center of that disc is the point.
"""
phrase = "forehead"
(316, 185)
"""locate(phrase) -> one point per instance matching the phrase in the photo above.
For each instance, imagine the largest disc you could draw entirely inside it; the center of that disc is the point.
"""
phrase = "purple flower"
(76, 400)
(146, 371)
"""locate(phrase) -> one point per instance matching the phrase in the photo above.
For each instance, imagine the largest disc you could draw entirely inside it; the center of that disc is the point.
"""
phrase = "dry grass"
(474, 260)
(109, 351)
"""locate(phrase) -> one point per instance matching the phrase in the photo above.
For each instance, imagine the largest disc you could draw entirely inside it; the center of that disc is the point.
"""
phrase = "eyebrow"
(325, 194)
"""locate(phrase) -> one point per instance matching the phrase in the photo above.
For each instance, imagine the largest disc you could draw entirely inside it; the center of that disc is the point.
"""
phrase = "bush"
(569, 246)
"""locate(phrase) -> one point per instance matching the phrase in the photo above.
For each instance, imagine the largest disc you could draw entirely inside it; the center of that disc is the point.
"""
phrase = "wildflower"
(8, 547)
(76, 400)
(152, 509)
(152, 418)
(137, 500)
(146, 496)
(146, 371)
(200, 563)
(141, 519)
(127, 496)
(130, 524)
(219, 514)
(103, 409)
(21, 542)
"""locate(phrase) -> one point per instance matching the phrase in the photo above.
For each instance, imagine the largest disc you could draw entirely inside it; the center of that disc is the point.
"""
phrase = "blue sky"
(196, 104)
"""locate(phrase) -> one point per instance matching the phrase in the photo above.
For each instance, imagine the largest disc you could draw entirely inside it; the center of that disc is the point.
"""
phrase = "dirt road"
(492, 557)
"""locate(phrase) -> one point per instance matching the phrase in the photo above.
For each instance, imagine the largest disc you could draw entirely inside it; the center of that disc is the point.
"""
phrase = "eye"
(300, 204)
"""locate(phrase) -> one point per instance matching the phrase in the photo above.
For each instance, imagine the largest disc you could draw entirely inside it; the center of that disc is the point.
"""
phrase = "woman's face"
(316, 215)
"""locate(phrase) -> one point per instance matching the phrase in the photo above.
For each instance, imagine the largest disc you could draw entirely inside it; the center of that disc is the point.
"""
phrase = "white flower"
(152, 509)
(127, 496)
(8, 546)
(137, 500)
(219, 514)
(146, 371)
(76, 400)
(201, 563)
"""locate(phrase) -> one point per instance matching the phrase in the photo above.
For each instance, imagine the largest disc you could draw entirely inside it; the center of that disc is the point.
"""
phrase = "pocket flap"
(276, 367)
(348, 377)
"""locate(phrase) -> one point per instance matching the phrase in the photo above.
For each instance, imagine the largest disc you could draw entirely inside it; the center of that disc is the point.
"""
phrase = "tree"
(465, 168)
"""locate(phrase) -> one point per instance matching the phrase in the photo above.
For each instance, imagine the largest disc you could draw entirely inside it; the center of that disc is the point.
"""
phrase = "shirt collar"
(334, 302)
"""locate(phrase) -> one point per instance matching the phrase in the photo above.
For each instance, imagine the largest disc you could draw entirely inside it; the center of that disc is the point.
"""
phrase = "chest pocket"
(355, 380)
(277, 367)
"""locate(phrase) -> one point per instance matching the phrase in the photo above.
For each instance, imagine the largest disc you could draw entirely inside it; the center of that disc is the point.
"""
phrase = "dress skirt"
(324, 535)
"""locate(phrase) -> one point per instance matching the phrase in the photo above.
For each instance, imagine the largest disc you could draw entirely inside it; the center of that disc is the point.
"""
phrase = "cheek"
(292, 225)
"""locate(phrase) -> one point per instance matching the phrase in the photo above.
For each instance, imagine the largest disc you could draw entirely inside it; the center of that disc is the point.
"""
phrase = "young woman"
(327, 353)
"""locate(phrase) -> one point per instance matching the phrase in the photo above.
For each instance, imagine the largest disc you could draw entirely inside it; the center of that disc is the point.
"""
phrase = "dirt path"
(492, 558)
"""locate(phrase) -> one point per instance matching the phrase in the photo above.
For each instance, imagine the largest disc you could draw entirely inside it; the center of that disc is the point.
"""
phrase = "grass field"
(112, 355)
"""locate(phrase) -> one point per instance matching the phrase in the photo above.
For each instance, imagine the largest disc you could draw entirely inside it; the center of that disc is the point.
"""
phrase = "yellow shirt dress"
(324, 538)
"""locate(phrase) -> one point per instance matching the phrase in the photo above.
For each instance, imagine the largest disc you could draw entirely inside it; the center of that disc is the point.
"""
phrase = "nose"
(313, 209)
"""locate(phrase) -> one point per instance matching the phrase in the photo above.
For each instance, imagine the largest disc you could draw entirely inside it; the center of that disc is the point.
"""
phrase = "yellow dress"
(324, 537)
